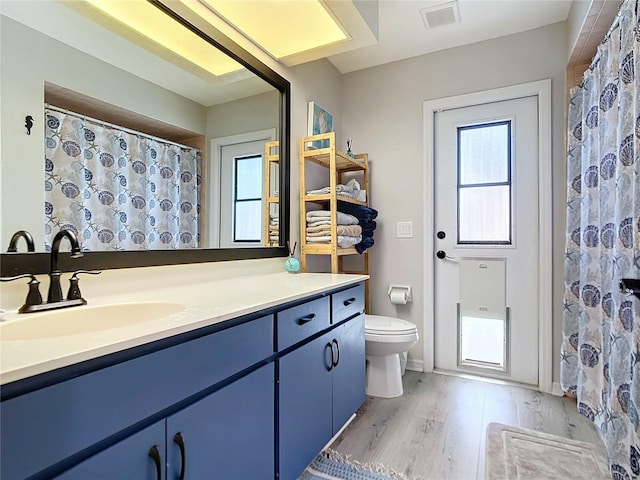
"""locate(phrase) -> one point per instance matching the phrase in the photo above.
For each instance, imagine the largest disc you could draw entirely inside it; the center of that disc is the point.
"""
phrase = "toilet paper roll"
(398, 297)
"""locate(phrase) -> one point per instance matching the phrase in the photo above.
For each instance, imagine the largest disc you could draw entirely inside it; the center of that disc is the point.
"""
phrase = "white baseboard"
(556, 390)
(415, 365)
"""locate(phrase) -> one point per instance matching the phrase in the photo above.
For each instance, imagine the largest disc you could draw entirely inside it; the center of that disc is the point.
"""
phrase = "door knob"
(441, 254)
(441, 234)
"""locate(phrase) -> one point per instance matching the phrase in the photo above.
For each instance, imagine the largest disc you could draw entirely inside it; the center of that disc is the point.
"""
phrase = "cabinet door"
(129, 458)
(228, 435)
(305, 409)
(349, 374)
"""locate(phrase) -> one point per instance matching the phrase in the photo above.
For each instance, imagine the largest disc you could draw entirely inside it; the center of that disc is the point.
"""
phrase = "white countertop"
(205, 304)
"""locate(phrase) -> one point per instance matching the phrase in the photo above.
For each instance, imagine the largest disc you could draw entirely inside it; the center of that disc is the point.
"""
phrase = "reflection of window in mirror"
(119, 180)
(247, 204)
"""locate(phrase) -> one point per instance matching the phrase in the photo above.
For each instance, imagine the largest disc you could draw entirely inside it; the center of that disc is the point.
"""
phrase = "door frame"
(214, 174)
(542, 90)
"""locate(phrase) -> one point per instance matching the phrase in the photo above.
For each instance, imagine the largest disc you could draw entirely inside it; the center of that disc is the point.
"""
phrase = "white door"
(241, 195)
(486, 240)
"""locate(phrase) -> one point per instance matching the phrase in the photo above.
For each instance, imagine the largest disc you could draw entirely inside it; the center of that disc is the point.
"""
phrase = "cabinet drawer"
(297, 323)
(347, 303)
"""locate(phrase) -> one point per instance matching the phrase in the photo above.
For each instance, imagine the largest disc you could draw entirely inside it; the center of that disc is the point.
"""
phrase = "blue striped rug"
(331, 465)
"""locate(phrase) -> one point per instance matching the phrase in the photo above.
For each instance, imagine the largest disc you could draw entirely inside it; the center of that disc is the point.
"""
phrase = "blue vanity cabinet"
(349, 373)
(130, 458)
(44, 431)
(228, 435)
(256, 397)
(305, 405)
(321, 385)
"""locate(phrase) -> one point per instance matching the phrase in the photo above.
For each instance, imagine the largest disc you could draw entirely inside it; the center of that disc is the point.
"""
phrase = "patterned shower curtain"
(117, 189)
(600, 360)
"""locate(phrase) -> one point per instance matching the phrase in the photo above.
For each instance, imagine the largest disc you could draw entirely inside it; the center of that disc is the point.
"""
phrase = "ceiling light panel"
(157, 26)
(281, 27)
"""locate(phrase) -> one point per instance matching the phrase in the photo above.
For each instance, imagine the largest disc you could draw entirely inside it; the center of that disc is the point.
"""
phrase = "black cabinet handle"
(307, 319)
(178, 440)
(334, 341)
(155, 454)
(349, 301)
(330, 367)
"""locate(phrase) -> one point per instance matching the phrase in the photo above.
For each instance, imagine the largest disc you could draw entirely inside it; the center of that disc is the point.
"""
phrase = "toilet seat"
(381, 325)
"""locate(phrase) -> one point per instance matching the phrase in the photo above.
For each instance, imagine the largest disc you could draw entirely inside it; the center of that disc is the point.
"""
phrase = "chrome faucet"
(55, 291)
(13, 243)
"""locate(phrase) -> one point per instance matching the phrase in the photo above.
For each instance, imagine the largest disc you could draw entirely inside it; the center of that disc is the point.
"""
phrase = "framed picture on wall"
(320, 121)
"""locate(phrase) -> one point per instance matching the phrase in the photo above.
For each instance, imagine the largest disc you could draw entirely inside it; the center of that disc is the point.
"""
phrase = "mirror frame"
(38, 263)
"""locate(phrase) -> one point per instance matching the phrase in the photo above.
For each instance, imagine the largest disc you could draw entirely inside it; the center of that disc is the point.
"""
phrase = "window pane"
(248, 221)
(484, 214)
(484, 154)
(249, 178)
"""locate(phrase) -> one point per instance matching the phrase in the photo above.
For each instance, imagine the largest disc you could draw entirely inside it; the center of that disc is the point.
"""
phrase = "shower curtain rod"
(113, 125)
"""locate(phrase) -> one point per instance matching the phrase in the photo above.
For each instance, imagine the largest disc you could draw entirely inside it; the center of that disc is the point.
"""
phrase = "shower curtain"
(600, 357)
(118, 189)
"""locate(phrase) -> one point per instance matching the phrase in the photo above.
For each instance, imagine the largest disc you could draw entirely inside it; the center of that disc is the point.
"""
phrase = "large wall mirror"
(152, 153)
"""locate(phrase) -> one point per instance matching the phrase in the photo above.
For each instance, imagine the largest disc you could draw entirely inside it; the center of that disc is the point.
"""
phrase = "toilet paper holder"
(404, 289)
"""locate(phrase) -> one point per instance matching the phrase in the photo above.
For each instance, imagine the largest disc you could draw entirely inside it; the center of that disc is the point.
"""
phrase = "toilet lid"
(380, 325)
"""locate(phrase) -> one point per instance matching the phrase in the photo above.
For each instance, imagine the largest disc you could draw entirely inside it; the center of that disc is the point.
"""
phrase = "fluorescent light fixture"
(281, 27)
(160, 28)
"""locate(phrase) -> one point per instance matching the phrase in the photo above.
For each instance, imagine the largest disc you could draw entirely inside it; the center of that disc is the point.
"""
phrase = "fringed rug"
(519, 453)
(332, 465)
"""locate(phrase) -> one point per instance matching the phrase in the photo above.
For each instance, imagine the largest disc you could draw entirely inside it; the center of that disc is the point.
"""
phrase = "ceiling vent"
(441, 15)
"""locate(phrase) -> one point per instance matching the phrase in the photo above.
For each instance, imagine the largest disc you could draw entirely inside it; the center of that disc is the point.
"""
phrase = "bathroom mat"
(331, 465)
(520, 453)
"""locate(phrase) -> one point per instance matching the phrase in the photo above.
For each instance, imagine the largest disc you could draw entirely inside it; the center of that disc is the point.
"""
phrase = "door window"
(484, 184)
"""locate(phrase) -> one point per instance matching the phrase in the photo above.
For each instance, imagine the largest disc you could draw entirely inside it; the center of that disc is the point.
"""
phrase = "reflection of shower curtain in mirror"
(118, 189)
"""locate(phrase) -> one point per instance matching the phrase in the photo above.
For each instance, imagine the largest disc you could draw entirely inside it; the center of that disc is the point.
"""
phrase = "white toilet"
(385, 338)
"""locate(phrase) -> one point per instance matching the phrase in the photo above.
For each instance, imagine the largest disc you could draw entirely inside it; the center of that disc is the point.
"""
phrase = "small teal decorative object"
(349, 143)
(292, 265)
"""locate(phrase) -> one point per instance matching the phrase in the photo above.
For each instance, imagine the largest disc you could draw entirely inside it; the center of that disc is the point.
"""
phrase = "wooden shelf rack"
(338, 164)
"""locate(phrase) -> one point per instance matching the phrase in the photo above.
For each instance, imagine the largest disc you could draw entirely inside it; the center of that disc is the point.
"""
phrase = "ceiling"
(402, 32)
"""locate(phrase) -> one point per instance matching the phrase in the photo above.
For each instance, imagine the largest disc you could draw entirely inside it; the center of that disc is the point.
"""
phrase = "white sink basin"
(79, 320)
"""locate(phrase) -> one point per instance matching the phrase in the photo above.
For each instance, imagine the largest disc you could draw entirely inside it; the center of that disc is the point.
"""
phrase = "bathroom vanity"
(249, 381)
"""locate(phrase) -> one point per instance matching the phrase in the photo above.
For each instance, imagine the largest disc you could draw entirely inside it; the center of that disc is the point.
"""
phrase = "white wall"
(382, 111)
(249, 114)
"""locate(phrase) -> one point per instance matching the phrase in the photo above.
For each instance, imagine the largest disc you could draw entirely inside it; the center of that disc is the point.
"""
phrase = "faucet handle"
(74, 287)
(33, 297)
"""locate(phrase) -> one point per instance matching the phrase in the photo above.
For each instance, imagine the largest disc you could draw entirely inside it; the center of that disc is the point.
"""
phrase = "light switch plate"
(404, 230)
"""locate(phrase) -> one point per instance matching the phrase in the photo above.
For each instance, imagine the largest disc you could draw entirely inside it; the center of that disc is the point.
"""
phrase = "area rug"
(332, 465)
(520, 453)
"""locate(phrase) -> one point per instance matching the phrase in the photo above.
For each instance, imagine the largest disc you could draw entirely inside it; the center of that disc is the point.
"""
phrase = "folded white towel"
(352, 230)
(319, 222)
(344, 241)
(348, 189)
(342, 218)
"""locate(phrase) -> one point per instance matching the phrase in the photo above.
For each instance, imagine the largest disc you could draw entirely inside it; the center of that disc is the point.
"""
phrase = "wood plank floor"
(436, 430)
